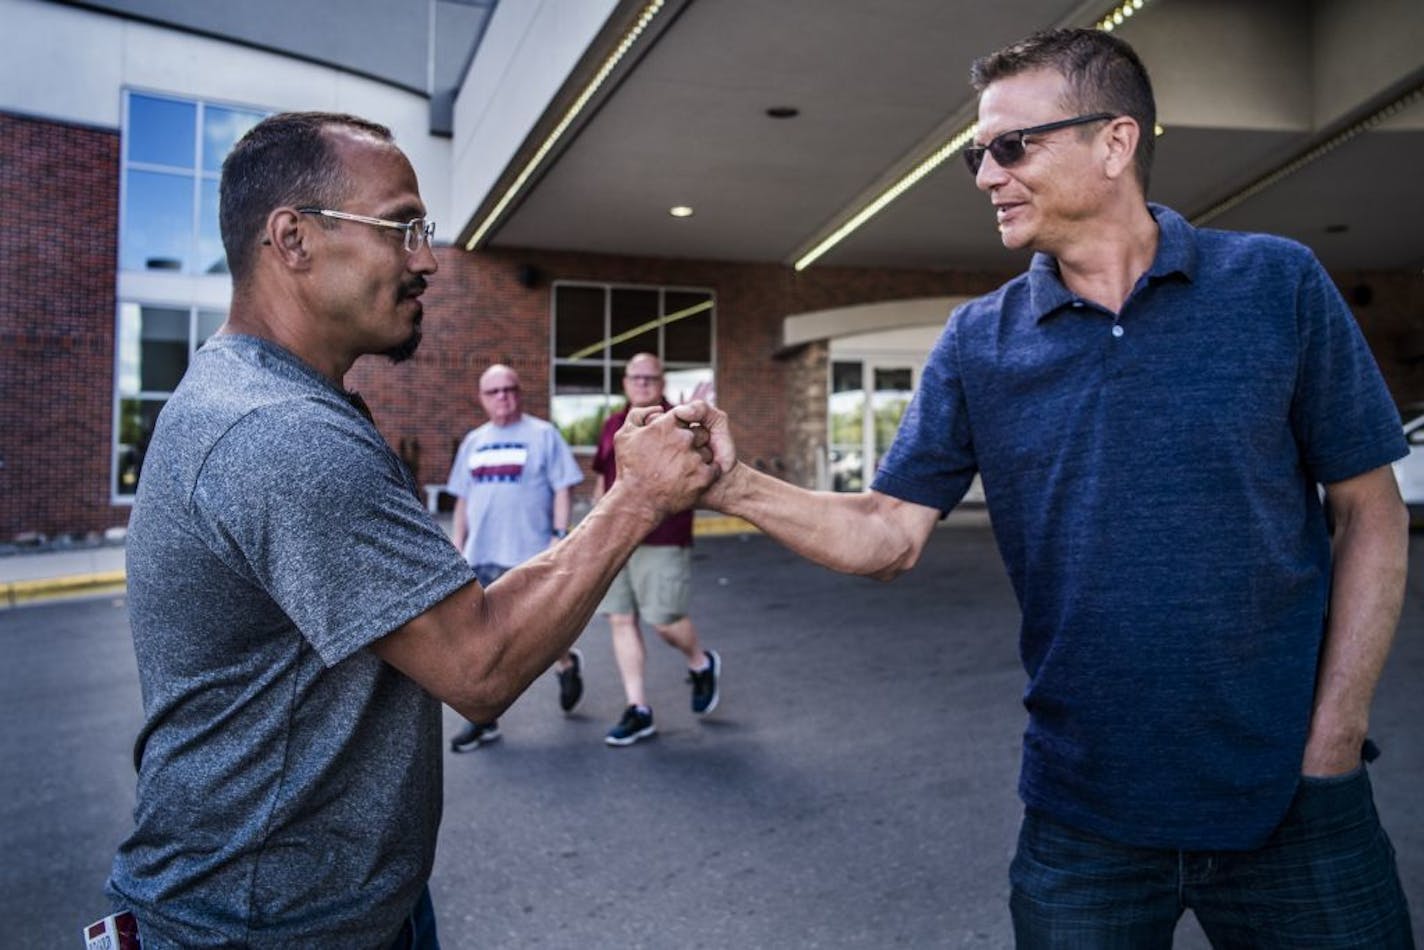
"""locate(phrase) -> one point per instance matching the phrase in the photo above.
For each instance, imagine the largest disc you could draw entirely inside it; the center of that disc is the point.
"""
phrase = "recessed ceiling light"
(680, 211)
(783, 112)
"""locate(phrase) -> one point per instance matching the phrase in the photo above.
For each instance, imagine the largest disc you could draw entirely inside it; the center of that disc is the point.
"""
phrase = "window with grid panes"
(155, 344)
(172, 160)
(597, 328)
(172, 156)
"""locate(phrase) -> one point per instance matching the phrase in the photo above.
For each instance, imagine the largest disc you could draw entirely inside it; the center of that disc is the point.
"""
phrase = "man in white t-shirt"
(511, 479)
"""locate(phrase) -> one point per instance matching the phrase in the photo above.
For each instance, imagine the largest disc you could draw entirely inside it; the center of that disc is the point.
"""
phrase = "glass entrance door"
(867, 399)
(890, 397)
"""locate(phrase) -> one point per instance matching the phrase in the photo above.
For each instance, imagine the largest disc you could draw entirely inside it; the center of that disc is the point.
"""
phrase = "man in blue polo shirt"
(1151, 407)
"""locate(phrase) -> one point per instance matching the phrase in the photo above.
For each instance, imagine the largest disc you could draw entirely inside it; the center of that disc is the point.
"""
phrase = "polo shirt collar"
(1176, 255)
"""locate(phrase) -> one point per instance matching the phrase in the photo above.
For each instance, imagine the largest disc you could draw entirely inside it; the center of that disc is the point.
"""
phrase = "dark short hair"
(286, 159)
(1104, 74)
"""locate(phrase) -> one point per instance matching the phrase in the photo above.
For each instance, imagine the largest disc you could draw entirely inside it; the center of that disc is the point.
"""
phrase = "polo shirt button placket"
(1117, 330)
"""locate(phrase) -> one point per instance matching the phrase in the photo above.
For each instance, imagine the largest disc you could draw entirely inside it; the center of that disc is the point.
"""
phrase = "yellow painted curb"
(14, 593)
(704, 527)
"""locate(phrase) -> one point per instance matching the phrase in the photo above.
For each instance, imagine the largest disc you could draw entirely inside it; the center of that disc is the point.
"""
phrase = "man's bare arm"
(1371, 558)
(868, 533)
(477, 650)
(871, 533)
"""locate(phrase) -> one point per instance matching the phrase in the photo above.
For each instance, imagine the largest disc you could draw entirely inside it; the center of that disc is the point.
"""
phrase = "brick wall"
(808, 380)
(478, 312)
(59, 199)
(474, 315)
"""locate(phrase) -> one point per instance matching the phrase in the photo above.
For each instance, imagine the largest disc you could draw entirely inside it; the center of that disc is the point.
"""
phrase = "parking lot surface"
(854, 788)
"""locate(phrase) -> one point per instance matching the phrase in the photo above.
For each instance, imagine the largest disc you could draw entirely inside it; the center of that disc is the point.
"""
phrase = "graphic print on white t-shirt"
(499, 462)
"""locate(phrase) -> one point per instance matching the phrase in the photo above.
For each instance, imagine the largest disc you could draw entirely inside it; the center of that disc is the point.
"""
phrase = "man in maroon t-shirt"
(656, 583)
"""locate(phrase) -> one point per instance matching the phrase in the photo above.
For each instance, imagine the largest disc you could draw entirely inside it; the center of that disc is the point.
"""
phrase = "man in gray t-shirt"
(252, 602)
(297, 616)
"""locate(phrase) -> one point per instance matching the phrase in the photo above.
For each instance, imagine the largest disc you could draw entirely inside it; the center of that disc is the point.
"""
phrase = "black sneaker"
(704, 684)
(474, 735)
(571, 682)
(634, 725)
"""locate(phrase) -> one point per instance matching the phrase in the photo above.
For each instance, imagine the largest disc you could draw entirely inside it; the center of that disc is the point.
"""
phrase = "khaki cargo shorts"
(655, 584)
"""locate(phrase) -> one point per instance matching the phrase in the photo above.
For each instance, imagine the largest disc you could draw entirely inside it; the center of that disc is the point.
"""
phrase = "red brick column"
(59, 199)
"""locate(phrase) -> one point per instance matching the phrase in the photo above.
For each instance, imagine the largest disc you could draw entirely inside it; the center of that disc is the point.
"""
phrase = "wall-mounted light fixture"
(680, 211)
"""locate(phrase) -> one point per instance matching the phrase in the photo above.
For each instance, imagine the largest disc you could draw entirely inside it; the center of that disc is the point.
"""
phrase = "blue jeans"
(418, 931)
(1325, 878)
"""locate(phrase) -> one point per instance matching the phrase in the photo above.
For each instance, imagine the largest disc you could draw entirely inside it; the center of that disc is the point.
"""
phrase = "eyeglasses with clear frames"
(418, 231)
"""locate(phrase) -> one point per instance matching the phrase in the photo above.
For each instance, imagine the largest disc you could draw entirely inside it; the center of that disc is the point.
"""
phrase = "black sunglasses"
(1008, 147)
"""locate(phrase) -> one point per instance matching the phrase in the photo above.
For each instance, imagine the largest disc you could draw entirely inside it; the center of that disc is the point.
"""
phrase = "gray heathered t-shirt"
(289, 785)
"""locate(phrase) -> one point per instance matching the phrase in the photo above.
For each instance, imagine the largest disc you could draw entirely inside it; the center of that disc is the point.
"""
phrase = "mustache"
(414, 287)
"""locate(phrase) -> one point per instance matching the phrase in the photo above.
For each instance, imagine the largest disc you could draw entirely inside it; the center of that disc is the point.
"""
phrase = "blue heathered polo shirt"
(1151, 478)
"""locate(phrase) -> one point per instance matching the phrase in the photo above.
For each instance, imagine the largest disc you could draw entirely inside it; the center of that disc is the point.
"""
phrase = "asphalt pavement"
(854, 788)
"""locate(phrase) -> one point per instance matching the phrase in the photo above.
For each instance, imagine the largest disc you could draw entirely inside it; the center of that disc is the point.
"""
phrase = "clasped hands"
(673, 456)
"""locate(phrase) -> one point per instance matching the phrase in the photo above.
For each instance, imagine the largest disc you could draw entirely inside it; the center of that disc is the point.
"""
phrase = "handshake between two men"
(671, 457)
(686, 456)
(478, 650)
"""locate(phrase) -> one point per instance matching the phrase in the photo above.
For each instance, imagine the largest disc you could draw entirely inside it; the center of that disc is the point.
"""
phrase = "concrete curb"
(32, 591)
(17, 593)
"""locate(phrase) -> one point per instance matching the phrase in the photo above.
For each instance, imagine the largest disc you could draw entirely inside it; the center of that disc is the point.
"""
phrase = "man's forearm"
(549, 599)
(1367, 591)
(864, 533)
(477, 650)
